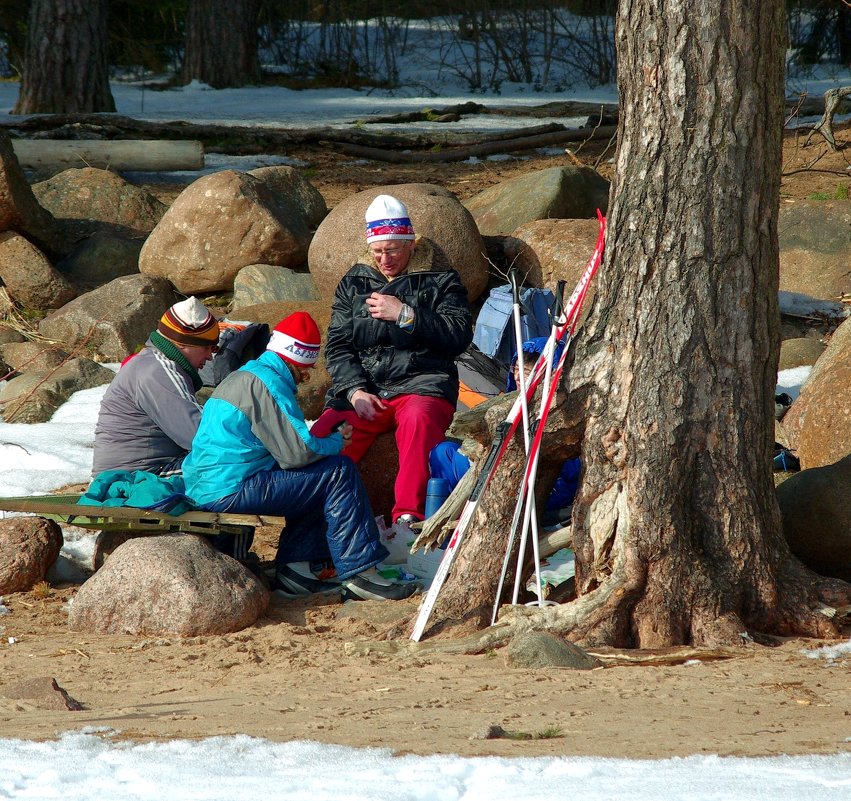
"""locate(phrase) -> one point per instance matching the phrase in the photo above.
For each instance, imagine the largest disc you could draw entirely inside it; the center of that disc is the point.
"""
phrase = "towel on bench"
(139, 489)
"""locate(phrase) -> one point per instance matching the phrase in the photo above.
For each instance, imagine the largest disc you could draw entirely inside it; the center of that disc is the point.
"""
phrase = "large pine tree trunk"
(676, 527)
(66, 69)
(221, 43)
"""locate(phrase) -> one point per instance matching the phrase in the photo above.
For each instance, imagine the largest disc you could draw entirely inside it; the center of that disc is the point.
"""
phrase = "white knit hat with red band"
(387, 218)
(296, 339)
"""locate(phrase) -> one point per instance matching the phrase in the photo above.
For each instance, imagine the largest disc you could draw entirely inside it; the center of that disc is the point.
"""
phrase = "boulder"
(100, 195)
(36, 395)
(436, 214)
(19, 209)
(297, 190)
(218, 225)
(101, 257)
(29, 276)
(266, 283)
(800, 352)
(28, 356)
(538, 649)
(818, 423)
(548, 251)
(557, 192)
(815, 506)
(170, 584)
(815, 242)
(28, 547)
(113, 320)
(40, 692)
(10, 335)
(378, 470)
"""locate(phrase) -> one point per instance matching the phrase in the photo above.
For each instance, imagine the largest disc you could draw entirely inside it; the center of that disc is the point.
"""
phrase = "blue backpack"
(494, 334)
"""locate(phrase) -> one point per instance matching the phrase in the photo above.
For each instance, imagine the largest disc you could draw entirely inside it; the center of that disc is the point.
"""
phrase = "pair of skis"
(506, 429)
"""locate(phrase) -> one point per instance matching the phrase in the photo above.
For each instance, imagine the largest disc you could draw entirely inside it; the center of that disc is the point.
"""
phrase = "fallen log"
(145, 155)
(483, 149)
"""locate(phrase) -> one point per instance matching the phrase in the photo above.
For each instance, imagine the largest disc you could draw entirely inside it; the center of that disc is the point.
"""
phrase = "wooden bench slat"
(65, 507)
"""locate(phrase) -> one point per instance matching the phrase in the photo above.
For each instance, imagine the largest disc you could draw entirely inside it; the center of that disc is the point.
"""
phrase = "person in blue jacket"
(445, 460)
(253, 453)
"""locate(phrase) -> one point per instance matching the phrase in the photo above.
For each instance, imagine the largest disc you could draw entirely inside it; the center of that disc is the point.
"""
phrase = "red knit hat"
(296, 340)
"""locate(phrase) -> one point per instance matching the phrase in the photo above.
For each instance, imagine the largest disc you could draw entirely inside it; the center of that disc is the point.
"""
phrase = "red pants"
(420, 423)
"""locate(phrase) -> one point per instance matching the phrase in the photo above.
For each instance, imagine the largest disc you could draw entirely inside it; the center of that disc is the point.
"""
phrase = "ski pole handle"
(558, 306)
(515, 286)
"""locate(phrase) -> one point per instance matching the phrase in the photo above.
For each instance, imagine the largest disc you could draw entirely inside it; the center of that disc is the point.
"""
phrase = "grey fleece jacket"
(148, 416)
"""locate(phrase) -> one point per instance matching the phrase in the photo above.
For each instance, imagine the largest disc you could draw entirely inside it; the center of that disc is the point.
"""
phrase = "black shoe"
(292, 583)
(361, 588)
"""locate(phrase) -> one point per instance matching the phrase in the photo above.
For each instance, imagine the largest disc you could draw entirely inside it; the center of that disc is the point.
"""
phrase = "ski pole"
(546, 353)
(518, 341)
(501, 439)
(565, 334)
(521, 383)
(531, 512)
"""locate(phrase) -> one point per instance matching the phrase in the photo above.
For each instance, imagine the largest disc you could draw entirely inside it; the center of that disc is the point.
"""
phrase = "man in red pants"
(397, 326)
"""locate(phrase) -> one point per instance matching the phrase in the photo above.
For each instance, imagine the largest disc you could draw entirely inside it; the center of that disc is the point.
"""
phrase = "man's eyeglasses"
(391, 253)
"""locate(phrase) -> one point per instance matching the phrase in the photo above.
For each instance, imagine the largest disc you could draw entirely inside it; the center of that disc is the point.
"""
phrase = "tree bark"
(676, 526)
(221, 43)
(66, 70)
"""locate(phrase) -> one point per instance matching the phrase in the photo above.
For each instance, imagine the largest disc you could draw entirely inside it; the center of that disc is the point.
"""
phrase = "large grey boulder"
(557, 192)
(218, 225)
(112, 320)
(19, 209)
(547, 251)
(102, 257)
(800, 352)
(818, 423)
(171, 584)
(436, 214)
(28, 275)
(34, 396)
(267, 283)
(291, 185)
(815, 506)
(815, 243)
(102, 196)
(25, 356)
(28, 547)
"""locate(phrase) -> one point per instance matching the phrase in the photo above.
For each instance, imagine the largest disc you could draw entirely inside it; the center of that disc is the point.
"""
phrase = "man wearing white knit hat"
(397, 326)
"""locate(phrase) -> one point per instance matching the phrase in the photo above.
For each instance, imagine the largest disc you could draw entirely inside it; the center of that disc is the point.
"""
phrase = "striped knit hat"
(387, 218)
(189, 322)
(296, 340)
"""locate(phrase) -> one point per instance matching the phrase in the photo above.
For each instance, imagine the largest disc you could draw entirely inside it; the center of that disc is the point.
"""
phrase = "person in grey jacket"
(149, 413)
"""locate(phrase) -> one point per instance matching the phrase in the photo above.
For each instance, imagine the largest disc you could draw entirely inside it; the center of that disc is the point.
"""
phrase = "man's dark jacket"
(386, 360)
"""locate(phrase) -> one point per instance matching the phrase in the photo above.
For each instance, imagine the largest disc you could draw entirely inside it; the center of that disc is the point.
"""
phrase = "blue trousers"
(327, 510)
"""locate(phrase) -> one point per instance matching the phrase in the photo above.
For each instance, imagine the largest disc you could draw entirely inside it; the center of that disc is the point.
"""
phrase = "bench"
(132, 522)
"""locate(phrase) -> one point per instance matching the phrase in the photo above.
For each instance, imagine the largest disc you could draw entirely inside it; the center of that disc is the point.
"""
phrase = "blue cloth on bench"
(139, 489)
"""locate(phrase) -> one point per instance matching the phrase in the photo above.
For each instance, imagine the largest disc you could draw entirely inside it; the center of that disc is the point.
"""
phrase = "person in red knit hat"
(254, 453)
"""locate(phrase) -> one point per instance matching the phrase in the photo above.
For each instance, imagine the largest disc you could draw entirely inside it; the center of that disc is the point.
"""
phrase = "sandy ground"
(290, 677)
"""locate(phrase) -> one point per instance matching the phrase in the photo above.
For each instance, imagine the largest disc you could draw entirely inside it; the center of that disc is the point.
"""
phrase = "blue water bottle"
(437, 492)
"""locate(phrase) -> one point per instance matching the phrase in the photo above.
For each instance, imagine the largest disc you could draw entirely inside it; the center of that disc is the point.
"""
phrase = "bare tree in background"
(677, 531)
(221, 43)
(66, 69)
